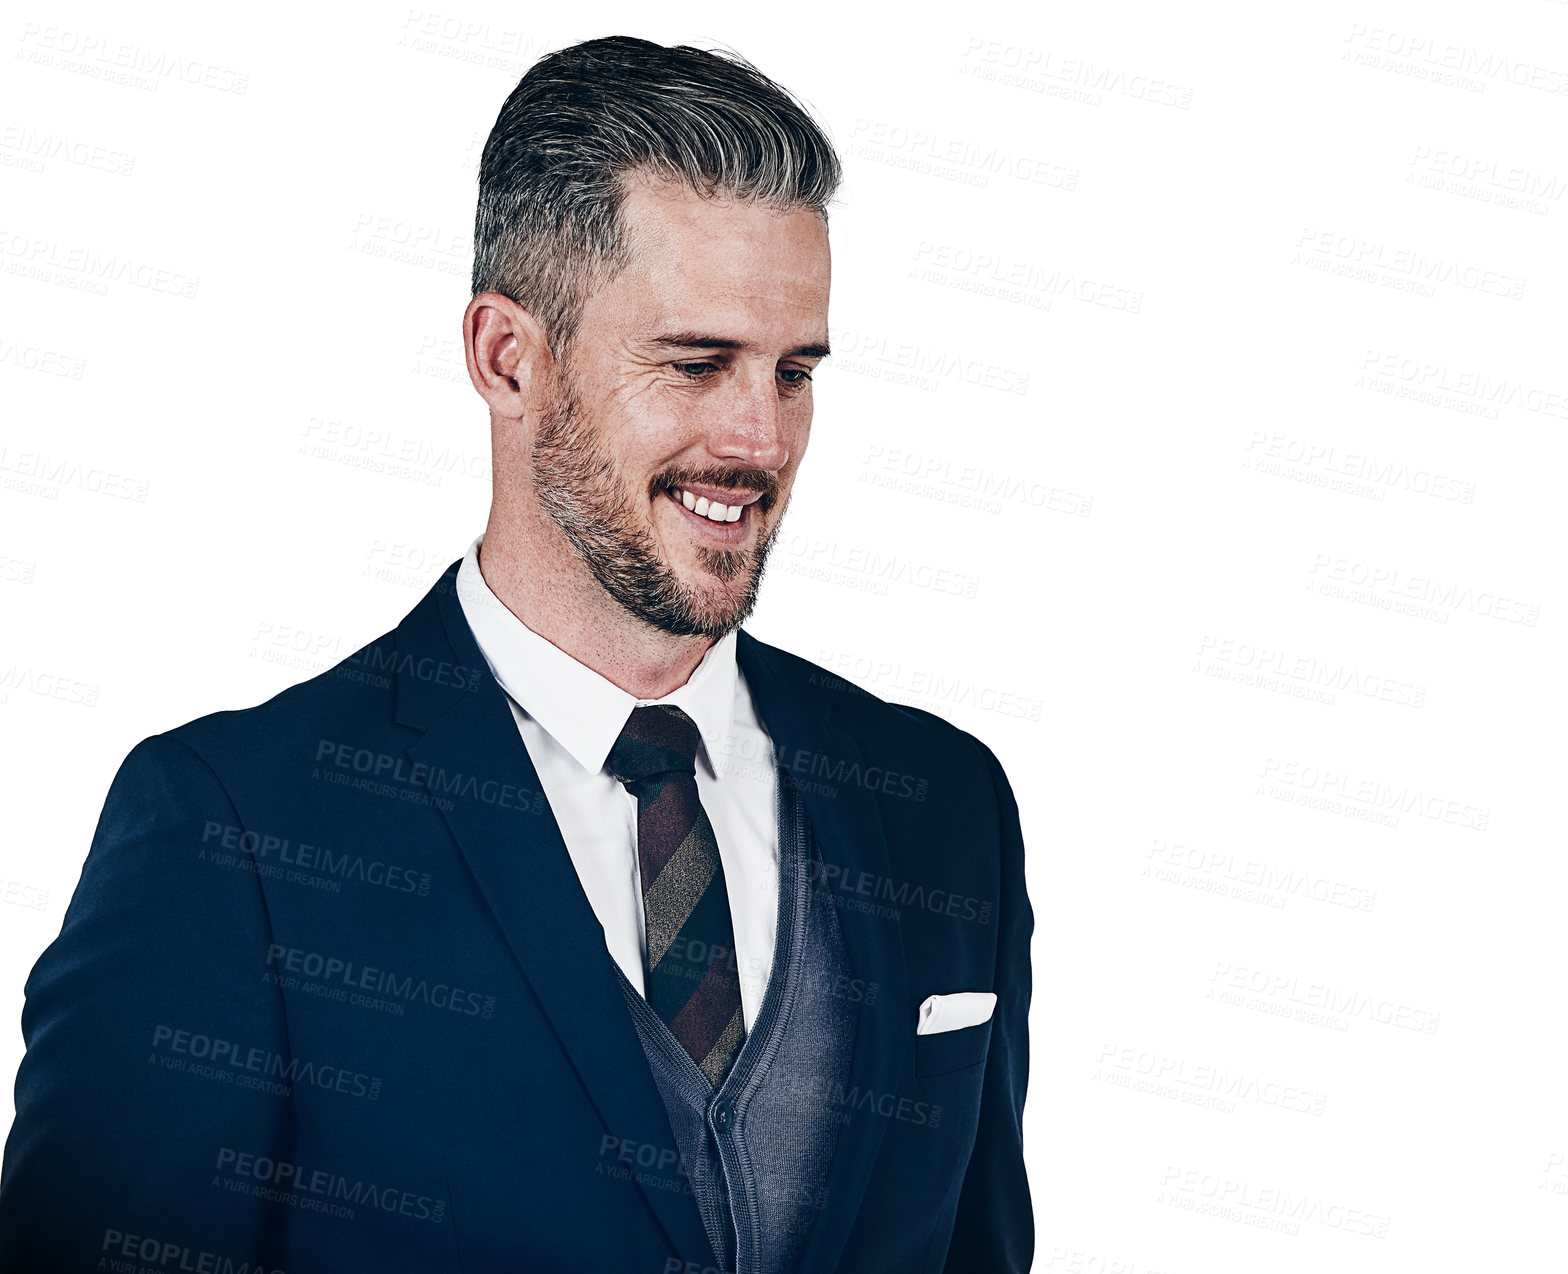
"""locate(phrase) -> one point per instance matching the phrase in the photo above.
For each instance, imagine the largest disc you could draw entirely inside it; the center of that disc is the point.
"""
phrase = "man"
(566, 927)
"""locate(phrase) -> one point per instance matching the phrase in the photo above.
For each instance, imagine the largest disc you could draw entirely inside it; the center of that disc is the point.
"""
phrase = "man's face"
(689, 373)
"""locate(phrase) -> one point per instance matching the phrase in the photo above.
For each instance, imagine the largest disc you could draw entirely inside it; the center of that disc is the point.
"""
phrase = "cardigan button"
(723, 1113)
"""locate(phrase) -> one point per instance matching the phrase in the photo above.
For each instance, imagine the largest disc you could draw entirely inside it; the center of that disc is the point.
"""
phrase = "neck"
(531, 567)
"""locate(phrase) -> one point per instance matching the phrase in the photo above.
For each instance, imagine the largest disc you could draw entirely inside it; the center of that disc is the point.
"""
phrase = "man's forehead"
(644, 190)
(663, 219)
(720, 273)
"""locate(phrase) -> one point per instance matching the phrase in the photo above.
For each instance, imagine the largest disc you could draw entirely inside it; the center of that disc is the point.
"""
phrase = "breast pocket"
(944, 1051)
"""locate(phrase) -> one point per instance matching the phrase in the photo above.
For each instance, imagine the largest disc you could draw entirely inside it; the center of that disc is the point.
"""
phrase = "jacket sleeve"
(158, 973)
(994, 1229)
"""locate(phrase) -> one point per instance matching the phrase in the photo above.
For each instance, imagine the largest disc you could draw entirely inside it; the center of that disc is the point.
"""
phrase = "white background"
(1193, 437)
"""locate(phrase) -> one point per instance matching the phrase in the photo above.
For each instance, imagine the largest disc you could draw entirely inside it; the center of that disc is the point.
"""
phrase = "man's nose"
(750, 422)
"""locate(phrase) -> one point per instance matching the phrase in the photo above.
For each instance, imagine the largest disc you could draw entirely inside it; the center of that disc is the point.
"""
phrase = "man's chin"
(714, 598)
(718, 610)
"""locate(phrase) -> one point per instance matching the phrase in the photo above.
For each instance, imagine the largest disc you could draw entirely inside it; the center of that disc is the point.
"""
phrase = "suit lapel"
(848, 829)
(489, 793)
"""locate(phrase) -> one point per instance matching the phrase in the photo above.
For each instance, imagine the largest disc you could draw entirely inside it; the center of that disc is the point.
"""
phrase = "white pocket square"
(949, 1012)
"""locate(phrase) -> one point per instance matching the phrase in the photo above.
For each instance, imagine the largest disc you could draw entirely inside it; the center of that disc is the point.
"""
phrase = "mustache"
(759, 480)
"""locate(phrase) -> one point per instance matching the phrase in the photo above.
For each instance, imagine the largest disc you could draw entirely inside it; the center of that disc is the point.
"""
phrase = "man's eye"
(794, 375)
(695, 370)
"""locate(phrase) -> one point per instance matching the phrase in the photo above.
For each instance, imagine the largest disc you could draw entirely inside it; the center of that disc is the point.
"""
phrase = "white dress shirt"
(570, 716)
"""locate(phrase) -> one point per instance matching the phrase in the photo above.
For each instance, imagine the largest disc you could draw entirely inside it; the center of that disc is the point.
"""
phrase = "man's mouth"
(718, 514)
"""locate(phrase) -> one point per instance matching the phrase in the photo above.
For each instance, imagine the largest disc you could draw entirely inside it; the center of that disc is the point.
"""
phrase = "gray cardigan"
(755, 1152)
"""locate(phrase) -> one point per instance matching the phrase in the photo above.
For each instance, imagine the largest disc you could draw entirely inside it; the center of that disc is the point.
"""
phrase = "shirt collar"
(580, 709)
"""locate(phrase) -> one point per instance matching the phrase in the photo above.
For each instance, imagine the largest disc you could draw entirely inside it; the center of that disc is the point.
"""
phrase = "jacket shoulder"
(352, 701)
(873, 718)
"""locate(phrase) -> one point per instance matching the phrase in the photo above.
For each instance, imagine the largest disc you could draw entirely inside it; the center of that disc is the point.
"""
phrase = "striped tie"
(692, 981)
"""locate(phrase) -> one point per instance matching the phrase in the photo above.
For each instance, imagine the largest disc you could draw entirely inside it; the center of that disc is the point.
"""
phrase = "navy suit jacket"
(330, 998)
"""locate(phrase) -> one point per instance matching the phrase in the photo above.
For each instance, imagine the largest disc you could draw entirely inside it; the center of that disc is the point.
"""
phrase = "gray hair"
(548, 228)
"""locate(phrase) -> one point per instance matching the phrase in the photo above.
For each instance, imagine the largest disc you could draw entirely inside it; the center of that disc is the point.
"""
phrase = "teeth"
(710, 509)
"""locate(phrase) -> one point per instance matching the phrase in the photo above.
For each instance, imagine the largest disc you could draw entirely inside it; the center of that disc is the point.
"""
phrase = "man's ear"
(508, 356)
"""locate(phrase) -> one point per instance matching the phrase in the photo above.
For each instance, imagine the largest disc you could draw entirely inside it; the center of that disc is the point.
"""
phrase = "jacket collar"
(579, 708)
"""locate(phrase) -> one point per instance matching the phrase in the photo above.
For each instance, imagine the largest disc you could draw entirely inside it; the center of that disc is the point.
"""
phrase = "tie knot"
(656, 739)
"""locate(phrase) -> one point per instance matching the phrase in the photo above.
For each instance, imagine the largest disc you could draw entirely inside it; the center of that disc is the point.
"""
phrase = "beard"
(578, 485)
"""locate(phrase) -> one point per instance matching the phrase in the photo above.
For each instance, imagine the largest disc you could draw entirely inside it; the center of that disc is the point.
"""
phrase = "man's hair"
(548, 228)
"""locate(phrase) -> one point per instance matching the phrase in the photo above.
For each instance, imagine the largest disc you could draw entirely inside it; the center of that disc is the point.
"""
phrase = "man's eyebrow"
(700, 340)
